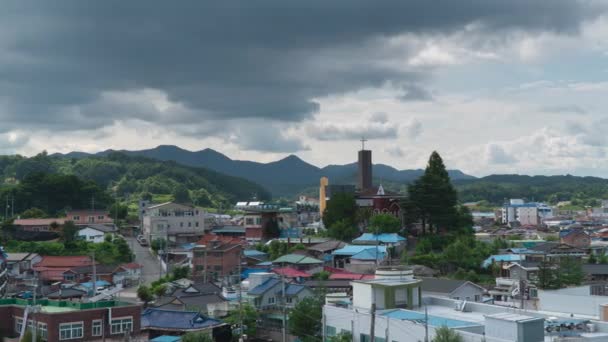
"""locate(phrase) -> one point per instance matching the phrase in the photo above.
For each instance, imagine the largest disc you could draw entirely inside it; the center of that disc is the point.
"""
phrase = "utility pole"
(12, 205)
(6, 209)
(94, 275)
(284, 310)
(426, 324)
(240, 293)
(372, 329)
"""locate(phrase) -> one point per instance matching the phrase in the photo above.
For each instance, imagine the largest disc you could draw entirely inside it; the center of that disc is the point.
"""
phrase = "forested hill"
(124, 175)
(286, 177)
(496, 188)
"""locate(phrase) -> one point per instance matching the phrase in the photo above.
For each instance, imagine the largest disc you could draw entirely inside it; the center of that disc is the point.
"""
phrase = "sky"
(518, 86)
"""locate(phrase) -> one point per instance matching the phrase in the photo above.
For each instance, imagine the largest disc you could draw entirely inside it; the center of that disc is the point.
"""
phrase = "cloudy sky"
(518, 86)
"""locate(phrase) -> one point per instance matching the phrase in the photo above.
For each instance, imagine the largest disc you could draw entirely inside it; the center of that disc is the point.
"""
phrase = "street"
(150, 270)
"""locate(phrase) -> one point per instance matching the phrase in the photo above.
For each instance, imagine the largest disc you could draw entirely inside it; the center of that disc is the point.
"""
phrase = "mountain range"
(285, 177)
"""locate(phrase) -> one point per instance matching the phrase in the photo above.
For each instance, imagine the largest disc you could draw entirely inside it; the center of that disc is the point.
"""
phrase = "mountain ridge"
(282, 177)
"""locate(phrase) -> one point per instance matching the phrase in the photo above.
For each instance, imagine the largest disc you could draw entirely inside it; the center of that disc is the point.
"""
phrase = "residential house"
(229, 230)
(552, 251)
(454, 289)
(257, 215)
(596, 272)
(391, 240)
(575, 237)
(69, 293)
(216, 256)
(40, 225)
(201, 297)
(87, 217)
(292, 274)
(523, 270)
(324, 249)
(156, 322)
(359, 258)
(65, 320)
(83, 274)
(342, 274)
(254, 257)
(51, 268)
(96, 233)
(127, 274)
(20, 264)
(177, 223)
(300, 262)
(330, 286)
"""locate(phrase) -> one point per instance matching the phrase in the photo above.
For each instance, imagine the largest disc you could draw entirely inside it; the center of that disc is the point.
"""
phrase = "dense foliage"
(341, 217)
(248, 315)
(555, 275)
(305, 320)
(384, 223)
(445, 334)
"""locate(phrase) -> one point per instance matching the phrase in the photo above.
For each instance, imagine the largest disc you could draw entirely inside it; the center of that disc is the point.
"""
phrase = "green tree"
(305, 319)
(384, 223)
(144, 294)
(341, 207)
(445, 334)
(180, 194)
(159, 290)
(181, 272)
(435, 198)
(123, 251)
(570, 271)
(33, 213)
(68, 232)
(249, 316)
(118, 211)
(158, 244)
(547, 277)
(343, 230)
(592, 259)
(196, 337)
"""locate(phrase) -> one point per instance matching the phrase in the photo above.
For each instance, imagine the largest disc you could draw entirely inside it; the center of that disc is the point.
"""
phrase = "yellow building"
(322, 197)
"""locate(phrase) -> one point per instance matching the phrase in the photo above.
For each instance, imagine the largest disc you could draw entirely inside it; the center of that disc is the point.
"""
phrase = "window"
(270, 300)
(181, 224)
(122, 325)
(18, 325)
(330, 331)
(100, 217)
(217, 268)
(42, 331)
(477, 298)
(76, 218)
(196, 224)
(69, 277)
(379, 339)
(364, 338)
(249, 221)
(69, 331)
(289, 300)
(199, 254)
(97, 327)
(189, 224)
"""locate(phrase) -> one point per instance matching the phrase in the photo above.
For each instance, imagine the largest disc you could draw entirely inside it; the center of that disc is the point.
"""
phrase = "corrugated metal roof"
(501, 257)
(297, 259)
(351, 250)
(178, 320)
(384, 238)
(263, 287)
(369, 254)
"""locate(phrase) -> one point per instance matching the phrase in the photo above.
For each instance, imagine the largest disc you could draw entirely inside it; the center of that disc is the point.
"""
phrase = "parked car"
(143, 242)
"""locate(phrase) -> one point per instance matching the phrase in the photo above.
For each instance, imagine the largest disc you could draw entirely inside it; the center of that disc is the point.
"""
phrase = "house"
(95, 233)
(40, 225)
(596, 272)
(51, 268)
(257, 215)
(359, 258)
(552, 251)
(201, 297)
(216, 256)
(127, 274)
(575, 237)
(177, 223)
(391, 240)
(65, 320)
(323, 250)
(297, 261)
(20, 264)
(156, 322)
(342, 274)
(67, 294)
(254, 257)
(82, 274)
(87, 217)
(454, 289)
(524, 270)
(233, 231)
(291, 273)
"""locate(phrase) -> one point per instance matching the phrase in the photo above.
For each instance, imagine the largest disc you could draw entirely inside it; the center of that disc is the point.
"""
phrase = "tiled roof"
(293, 289)
(291, 272)
(369, 254)
(253, 252)
(63, 261)
(101, 228)
(176, 320)
(99, 269)
(38, 222)
(327, 246)
(16, 256)
(67, 293)
(263, 287)
(297, 259)
(438, 285)
(383, 238)
(131, 266)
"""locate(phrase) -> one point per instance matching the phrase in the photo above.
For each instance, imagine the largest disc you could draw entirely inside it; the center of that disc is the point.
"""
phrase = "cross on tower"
(363, 140)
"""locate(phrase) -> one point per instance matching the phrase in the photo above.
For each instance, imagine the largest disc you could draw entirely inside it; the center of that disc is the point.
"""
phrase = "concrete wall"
(467, 290)
(573, 300)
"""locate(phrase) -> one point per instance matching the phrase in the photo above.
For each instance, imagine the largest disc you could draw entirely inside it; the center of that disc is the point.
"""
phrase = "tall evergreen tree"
(434, 197)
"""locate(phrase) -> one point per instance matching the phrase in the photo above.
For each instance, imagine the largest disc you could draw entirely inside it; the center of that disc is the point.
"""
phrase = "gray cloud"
(266, 138)
(496, 154)
(565, 109)
(396, 151)
(376, 126)
(415, 93)
(225, 60)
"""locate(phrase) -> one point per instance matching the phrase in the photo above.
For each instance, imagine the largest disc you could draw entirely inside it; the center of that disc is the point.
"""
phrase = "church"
(366, 194)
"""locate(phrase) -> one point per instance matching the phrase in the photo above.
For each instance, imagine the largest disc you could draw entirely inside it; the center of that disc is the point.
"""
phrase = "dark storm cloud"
(224, 60)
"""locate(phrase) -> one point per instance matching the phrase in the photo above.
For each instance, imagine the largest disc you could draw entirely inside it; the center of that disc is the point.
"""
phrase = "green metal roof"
(63, 306)
(297, 259)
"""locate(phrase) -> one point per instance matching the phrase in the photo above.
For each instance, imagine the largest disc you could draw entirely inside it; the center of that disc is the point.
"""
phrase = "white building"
(95, 234)
(521, 213)
(177, 223)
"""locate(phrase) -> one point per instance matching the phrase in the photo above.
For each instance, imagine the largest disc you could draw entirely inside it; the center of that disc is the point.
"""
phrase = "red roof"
(131, 265)
(291, 272)
(208, 238)
(350, 276)
(55, 274)
(38, 222)
(62, 262)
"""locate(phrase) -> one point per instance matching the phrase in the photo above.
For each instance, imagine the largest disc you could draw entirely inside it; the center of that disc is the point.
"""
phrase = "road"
(150, 265)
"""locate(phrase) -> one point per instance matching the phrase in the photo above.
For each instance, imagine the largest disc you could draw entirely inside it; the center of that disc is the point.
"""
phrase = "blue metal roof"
(384, 238)
(501, 257)
(97, 283)
(178, 320)
(248, 271)
(290, 233)
(350, 250)
(253, 252)
(166, 338)
(263, 287)
(434, 321)
(369, 254)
